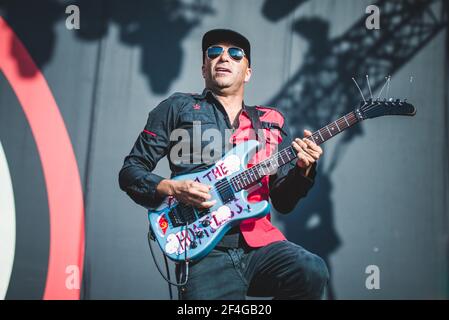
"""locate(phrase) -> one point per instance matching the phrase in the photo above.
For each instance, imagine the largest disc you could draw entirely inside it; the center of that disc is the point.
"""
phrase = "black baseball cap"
(215, 36)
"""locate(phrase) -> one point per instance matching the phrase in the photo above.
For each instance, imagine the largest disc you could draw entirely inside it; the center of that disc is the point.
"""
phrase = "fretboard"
(269, 166)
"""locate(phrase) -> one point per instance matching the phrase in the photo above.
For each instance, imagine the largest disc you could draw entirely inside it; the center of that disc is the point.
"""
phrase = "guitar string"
(287, 152)
(255, 171)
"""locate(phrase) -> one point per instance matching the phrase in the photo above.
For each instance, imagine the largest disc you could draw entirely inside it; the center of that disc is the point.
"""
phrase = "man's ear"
(248, 73)
(203, 71)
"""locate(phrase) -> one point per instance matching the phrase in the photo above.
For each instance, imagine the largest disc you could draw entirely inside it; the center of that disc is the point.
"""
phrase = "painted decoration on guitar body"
(223, 168)
(176, 242)
(184, 232)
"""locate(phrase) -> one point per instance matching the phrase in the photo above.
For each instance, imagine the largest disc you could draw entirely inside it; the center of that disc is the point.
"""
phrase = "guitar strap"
(233, 238)
(253, 115)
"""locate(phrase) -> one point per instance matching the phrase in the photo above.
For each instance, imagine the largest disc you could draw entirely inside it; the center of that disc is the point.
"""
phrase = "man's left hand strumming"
(308, 152)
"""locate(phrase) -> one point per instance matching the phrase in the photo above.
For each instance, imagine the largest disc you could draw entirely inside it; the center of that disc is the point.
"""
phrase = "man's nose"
(224, 56)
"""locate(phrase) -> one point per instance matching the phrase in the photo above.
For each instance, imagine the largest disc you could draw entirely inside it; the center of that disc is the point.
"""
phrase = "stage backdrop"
(73, 100)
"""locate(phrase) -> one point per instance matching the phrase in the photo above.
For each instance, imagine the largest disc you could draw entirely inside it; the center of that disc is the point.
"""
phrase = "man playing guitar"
(253, 258)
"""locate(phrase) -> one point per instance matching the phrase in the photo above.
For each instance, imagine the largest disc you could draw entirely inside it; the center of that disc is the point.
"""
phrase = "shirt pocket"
(200, 135)
(187, 119)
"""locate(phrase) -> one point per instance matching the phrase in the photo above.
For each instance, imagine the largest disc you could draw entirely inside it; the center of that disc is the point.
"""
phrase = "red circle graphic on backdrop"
(61, 174)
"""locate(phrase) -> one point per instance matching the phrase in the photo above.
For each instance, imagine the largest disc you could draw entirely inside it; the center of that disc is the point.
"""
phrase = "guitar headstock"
(378, 108)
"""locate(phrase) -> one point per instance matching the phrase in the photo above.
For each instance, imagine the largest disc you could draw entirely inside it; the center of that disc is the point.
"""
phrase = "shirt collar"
(203, 95)
(208, 93)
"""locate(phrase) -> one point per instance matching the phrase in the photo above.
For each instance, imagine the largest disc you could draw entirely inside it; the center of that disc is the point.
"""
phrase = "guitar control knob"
(199, 233)
(205, 223)
(193, 245)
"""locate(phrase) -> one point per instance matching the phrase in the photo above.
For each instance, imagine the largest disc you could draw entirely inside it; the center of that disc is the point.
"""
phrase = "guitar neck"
(254, 174)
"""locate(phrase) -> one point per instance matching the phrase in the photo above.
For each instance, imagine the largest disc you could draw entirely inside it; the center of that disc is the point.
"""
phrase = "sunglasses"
(235, 53)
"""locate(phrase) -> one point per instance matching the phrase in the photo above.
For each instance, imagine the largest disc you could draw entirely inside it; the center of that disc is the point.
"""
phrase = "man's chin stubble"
(222, 85)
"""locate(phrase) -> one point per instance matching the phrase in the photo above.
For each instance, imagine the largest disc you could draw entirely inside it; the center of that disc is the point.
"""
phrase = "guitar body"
(185, 232)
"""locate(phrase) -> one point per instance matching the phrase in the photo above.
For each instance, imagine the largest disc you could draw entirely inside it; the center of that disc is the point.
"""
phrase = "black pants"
(282, 270)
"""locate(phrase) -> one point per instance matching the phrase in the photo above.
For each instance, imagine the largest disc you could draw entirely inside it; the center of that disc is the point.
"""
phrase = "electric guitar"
(184, 232)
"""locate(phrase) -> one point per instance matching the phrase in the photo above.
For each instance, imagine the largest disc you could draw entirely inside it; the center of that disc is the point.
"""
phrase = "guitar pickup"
(203, 212)
(181, 215)
(225, 190)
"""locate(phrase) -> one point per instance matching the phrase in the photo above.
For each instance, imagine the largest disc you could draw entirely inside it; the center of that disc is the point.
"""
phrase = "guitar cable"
(167, 278)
